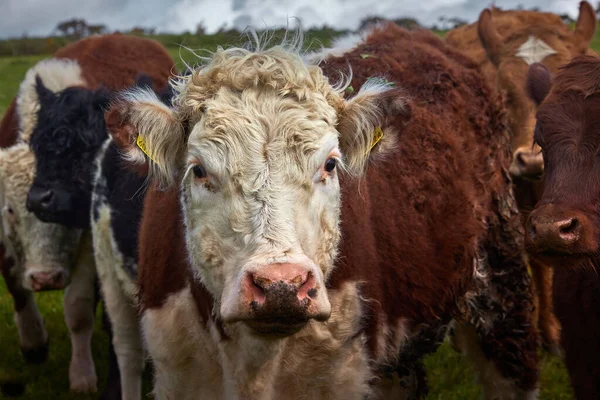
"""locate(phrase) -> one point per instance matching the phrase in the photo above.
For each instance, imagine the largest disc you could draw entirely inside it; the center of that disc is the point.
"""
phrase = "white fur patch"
(534, 50)
(57, 74)
(184, 356)
(324, 360)
(339, 47)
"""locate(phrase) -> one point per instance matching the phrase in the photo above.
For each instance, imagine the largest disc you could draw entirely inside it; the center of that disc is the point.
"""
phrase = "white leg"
(184, 356)
(127, 339)
(79, 307)
(118, 292)
(495, 386)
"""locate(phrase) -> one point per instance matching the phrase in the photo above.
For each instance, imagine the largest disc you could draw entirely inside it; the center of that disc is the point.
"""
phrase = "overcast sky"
(39, 17)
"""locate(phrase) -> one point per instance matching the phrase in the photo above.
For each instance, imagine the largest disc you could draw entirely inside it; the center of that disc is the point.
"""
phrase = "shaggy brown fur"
(567, 129)
(414, 226)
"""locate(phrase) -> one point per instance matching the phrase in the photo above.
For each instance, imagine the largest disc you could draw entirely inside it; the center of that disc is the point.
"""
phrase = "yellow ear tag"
(142, 145)
(377, 135)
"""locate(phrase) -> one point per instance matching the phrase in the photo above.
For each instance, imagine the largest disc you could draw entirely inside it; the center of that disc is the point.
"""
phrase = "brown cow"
(36, 255)
(513, 40)
(564, 229)
(267, 271)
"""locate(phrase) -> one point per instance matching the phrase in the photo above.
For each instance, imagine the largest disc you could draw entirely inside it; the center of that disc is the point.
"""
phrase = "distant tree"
(566, 18)
(408, 23)
(77, 28)
(97, 29)
(452, 22)
(368, 21)
(142, 31)
(455, 22)
(200, 29)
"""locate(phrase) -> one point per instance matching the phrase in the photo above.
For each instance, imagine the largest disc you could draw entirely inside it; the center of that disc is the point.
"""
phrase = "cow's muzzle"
(41, 279)
(280, 299)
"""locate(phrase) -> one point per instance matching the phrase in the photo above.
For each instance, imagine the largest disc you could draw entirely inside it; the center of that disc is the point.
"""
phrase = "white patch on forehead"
(57, 74)
(534, 50)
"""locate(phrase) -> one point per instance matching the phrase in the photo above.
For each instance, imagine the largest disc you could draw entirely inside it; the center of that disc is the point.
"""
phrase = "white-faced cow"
(50, 92)
(269, 270)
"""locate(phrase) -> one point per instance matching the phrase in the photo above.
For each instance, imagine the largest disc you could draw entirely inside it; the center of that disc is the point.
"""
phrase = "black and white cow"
(107, 186)
(38, 256)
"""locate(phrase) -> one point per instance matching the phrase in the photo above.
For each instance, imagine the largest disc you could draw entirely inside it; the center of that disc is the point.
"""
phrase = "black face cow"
(65, 142)
(82, 181)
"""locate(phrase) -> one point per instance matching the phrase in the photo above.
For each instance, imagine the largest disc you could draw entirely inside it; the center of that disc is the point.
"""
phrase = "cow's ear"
(148, 131)
(585, 27)
(44, 94)
(363, 124)
(102, 98)
(489, 37)
(539, 82)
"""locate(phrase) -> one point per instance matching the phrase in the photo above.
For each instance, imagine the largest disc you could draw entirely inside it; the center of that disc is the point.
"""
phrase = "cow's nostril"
(569, 226)
(46, 198)
(257, 291)
(521, 160)
(532, 231)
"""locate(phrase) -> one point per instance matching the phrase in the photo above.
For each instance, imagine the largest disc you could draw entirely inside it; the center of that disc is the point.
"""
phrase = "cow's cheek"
(322, 236)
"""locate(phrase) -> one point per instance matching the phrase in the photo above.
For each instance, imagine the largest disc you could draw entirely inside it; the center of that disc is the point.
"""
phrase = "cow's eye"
(199, 171)
(330, 164)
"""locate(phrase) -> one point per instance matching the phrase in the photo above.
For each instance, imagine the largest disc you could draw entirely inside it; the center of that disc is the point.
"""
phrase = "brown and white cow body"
(564, 227)
(505, 44)
(268, 271)
(41, 255)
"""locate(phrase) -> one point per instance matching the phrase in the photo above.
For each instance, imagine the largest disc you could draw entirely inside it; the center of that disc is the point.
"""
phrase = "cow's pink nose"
(281, 278)
(47, 280)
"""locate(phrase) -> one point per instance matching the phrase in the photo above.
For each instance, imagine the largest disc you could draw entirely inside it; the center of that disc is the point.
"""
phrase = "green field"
(449, 376)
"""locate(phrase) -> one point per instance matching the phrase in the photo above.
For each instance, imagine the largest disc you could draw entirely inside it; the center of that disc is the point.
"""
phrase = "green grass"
(450, 377)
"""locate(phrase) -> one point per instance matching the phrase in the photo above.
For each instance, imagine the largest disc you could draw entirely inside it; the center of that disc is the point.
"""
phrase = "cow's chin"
(74, 220)
(275, 328)
(574, 260)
